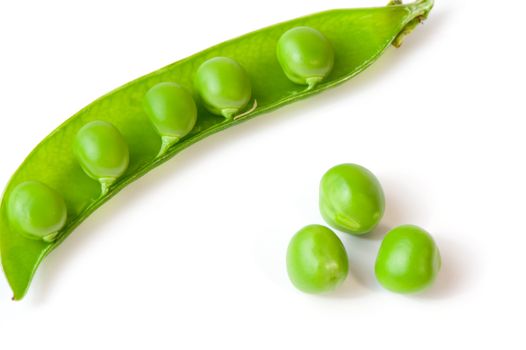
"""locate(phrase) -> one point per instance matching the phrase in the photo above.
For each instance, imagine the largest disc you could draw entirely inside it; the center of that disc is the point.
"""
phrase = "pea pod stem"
(421, 9)
(166, 143)
(105, 184)
(51, 237)
(312, 82)
(252, 109)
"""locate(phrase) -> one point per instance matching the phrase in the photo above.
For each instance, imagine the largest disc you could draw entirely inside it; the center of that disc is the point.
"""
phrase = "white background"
(192, 255)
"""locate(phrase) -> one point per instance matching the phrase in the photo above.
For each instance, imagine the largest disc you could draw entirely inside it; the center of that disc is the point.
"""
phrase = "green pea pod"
(358, 37)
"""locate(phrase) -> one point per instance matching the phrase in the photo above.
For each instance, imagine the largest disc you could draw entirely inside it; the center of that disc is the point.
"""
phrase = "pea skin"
(316, 260)
(224, 86)
(172, 111)
(351, 199)
(408, 260)
(305, 55)
(102, 152)
(36, 210)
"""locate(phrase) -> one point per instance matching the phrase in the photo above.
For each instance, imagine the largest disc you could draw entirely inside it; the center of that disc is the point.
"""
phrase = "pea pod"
(358, 37)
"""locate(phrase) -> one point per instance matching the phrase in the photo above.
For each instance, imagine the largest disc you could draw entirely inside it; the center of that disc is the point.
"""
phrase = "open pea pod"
(358, 37)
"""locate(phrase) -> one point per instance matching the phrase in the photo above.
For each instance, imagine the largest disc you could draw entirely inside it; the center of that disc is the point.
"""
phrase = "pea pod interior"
(358, 36)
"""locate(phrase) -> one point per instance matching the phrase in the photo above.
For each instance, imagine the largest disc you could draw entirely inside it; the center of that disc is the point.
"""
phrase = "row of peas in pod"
(38, 211)
(352, 201)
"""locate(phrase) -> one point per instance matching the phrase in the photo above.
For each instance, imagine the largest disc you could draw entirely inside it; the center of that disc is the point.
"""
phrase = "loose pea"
(172, 111)
(224, 86)
(351, 199)
(305, 55)
(408, 260)
(102, 152)
(36, 210)
(316, 260)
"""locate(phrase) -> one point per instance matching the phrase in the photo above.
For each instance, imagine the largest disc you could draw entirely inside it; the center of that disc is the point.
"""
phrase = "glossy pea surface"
(223, 85)
(102, 151)
(36, 210)
(316, 260)
(172, 111)
(351, 199)
(408, 260)
(305, 55)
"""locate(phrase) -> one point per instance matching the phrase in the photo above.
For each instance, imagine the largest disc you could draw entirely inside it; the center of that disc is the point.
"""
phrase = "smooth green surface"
(358, 36)
(408, 260)
(223, 85)
(102, 152)
(316, 260)
(172, 111)
(305, 55)
(36, 211)
(351, 199)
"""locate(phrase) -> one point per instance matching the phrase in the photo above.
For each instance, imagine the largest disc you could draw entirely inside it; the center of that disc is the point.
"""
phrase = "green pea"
(172, 111)
(351, 199)
(408, 260)
(305, 55)
(224, 86)
(102, 152)
(36, 210)
(316, 260)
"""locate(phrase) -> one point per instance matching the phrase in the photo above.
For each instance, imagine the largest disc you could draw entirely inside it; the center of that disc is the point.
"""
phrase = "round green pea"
(408, 260)
(36, 210)
(316, 260)
(305, 55)
(351, 199)
(102, 152)
(223, 85)
(172, 111)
